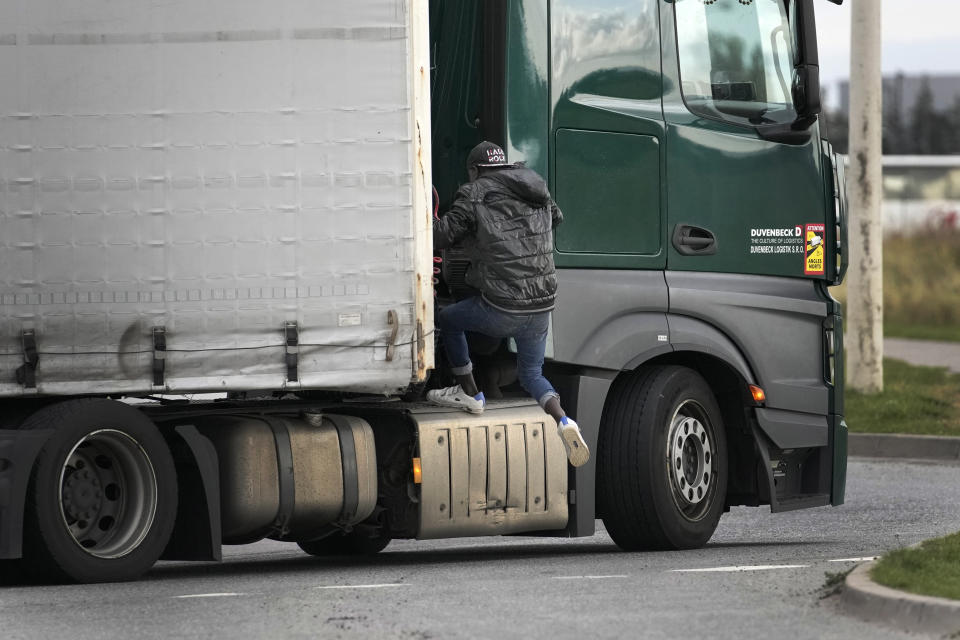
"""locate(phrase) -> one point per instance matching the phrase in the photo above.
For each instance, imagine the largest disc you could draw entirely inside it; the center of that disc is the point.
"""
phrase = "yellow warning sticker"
(813, 264)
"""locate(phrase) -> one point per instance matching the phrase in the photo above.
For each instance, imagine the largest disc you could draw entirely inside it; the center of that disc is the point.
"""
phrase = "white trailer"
(186, 207)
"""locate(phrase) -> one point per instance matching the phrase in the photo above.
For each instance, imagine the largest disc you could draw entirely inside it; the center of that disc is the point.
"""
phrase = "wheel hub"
(82, 495)
(690, 459)
(108, 493)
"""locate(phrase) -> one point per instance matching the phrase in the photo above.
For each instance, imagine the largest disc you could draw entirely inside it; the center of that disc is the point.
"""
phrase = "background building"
(900, 92)
(921, 115)
(921, 193)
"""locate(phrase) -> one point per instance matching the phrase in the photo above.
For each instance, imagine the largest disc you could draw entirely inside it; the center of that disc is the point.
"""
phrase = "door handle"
(689, 240)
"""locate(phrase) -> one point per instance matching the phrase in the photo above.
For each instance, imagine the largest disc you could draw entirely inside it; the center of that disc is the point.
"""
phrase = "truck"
(218, 284)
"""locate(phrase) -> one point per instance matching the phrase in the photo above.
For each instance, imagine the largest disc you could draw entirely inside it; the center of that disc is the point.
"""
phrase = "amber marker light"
(758, 395)
(417, 471)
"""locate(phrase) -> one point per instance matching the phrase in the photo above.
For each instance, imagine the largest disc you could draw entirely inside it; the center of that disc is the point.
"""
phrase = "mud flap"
(197, 533)
(838, 444)
(18, 452)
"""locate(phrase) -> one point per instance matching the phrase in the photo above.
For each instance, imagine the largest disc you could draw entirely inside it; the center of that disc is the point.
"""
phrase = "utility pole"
(864, 339)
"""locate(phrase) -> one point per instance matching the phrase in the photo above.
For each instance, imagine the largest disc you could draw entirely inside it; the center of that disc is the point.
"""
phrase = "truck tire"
(102, 497)
(11, 572)
(662, 460)
(355, 543)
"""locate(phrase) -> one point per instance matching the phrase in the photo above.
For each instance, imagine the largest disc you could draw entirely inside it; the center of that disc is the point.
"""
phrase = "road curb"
(883, 445)
(867, 600)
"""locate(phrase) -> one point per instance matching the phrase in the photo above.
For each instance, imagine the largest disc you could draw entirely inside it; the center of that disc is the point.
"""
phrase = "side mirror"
(806, 72)
(806, 94)
(805, 88)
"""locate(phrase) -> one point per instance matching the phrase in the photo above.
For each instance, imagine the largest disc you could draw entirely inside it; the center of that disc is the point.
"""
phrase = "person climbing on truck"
(505, 218)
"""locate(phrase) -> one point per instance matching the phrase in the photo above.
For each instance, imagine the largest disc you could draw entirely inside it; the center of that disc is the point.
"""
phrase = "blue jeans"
(528, 330)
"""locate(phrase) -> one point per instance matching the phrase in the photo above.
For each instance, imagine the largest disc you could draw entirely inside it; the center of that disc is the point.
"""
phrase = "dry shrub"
(921, 278)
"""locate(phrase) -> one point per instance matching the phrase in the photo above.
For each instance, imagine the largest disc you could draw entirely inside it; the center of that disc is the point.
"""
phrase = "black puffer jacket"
(505, 220)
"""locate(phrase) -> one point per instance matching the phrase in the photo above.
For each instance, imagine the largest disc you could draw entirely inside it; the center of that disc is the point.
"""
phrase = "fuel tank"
(292, 477)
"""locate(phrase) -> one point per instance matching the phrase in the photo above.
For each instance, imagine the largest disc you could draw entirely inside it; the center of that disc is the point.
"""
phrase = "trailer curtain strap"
(393, 321)
(27, 373)
(159, 355)
(285, 479)
(292, 344)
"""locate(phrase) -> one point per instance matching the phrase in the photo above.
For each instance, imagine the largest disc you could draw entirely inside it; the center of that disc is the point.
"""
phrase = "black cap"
(487, 154)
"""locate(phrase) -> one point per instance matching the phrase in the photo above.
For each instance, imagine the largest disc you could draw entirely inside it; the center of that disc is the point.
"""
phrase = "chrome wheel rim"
(108, 494)
(690, 460)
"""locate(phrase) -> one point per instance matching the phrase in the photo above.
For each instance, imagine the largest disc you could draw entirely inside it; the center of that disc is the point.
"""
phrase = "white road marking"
(863, 559)
(211, 595)
(364, 586)
(589, 577)
(756, 567)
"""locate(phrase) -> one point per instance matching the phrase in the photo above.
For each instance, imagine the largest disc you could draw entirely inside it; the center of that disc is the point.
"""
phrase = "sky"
(919, 36)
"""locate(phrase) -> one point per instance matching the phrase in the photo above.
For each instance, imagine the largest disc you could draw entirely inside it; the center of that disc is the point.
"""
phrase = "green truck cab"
(703, 225)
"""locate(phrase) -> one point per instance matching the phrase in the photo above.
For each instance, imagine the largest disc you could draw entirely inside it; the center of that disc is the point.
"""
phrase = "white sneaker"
(456, 397)
(577, 451)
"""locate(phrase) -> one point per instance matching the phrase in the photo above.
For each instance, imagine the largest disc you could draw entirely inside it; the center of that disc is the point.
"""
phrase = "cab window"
(736, 60)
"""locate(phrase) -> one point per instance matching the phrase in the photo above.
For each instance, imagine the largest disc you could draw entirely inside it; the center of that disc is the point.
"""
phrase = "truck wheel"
(355, 543)
(102, 497)
(11, 572)
(662, 460)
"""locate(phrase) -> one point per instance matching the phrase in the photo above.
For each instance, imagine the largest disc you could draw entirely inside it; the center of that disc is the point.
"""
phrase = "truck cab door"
(737, 203)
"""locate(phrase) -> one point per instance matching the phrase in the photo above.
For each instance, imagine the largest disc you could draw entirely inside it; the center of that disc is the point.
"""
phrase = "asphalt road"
(524, 587)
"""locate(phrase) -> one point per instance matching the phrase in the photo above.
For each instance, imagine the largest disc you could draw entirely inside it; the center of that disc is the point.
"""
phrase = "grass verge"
(915, 400)
(834, 582)
(929, 570)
